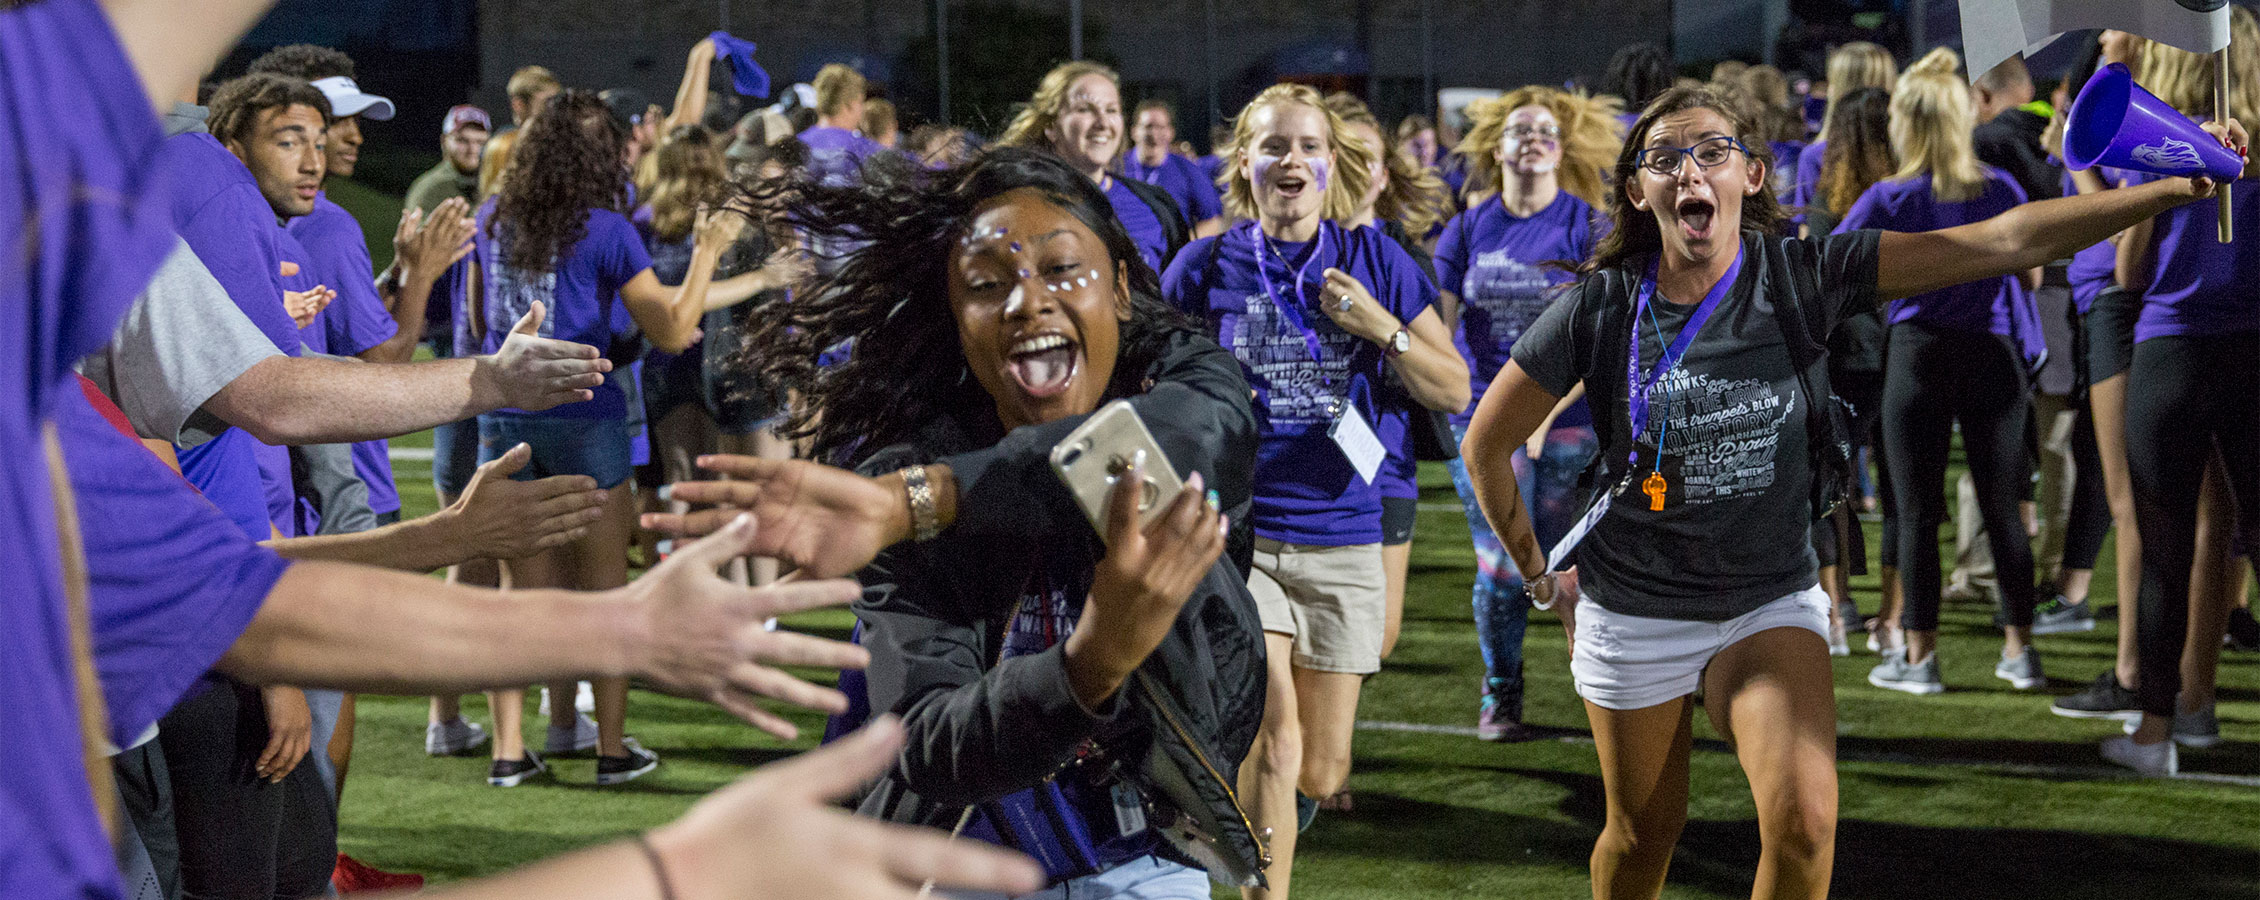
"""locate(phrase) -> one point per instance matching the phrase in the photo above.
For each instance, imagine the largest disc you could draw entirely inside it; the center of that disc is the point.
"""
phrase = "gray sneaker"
(2022, 672)
(2061, 616)
(453, 736)
(1897, 674)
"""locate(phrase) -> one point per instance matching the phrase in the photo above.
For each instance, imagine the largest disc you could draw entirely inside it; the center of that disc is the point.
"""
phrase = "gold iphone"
(1089, 460)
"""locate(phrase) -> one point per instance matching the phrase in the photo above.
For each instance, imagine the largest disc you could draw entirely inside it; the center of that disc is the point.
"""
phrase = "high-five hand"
(535, 373)
(703, 636)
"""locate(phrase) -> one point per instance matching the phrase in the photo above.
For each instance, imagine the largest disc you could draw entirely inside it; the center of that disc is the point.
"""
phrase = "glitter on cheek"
(1024, 273)
(1259, 168)
(1320, 168)
(1014, 246)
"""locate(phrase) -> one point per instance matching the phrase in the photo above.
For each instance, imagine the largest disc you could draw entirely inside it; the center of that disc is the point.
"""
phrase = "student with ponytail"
(1958, 356)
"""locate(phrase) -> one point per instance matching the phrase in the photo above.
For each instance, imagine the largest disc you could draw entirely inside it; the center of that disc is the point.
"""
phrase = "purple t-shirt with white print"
(2195, 284)
(338, 256)
(1495, 262)
(85, 211)
(581, 291)
(1194, 192)
(1306, 491)
(2002, 305)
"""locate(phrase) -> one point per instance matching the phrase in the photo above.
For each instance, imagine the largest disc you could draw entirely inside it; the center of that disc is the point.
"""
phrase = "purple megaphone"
(2114, 122)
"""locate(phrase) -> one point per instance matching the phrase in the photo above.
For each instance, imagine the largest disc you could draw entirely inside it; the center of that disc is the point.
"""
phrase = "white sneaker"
(584, 699)
(1837, 645)
(576, 739)
(2157, 760)
(456, 735)
(2196, 730)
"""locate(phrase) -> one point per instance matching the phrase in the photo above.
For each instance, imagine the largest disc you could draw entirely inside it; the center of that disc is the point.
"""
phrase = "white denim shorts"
(1634, 662)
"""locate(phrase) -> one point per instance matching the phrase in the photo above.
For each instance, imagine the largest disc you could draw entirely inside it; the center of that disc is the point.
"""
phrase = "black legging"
(2185, 397)
(1934, 377)
(2088, 517)
(240, 837)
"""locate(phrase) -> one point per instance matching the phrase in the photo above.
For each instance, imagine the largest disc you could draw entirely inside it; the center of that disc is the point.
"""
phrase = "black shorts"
(2110, 333)
(1397, 514)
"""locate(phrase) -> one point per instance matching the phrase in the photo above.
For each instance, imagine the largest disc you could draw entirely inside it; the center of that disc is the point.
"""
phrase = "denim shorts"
(455, 456)
(597, 448)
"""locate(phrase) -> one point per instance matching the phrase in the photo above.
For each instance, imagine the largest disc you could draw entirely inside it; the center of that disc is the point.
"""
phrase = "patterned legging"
(1549, 489)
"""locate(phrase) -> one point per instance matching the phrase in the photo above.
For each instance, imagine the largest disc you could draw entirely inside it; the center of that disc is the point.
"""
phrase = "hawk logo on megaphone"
(2169, 156)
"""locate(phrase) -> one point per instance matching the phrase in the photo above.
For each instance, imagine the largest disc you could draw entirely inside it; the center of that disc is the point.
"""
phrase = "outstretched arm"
(293, 400)
(2033, 234)
(1510, 412)
(172, 43)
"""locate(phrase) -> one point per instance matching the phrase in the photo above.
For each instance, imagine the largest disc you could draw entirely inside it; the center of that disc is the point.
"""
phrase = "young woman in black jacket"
(1110, 689)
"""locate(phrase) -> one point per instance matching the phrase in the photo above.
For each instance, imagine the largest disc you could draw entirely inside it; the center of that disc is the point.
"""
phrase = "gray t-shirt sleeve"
(181, 342)
(1550, 350)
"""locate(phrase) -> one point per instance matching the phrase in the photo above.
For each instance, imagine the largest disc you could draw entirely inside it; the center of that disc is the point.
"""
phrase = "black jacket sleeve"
(973, 736)
(1198, 411)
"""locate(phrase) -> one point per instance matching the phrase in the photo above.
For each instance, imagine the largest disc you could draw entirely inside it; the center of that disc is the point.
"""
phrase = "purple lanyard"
(1293, 311)
(1636, 395)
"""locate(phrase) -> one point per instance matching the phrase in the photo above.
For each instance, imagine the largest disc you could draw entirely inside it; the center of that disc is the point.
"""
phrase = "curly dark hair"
(889, 296)
(569, 161)
(236, 105)
(305, 61)
(1639, 73)
(1634, 233)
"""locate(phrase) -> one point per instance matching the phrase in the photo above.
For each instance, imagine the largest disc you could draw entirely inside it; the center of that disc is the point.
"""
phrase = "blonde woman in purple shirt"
(1958, 355)
(2193, 403)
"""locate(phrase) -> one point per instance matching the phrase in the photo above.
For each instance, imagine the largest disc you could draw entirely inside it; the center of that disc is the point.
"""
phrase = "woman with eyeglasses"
(1958, 356)
(1537, 155)
(1699, 571)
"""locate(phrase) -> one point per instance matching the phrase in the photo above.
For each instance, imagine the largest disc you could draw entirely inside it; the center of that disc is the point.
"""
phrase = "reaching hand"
(303, 306)
(290, 732)
(826, 521)
(1148, 574)
(777, 833)
(501, 518)
(427, 245)
(718, 228)
(788, 266)
(535, 373)
(703, 636)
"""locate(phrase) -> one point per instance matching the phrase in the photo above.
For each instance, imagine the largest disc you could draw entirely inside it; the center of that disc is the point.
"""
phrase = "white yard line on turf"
(409, 454)
(2090, 773)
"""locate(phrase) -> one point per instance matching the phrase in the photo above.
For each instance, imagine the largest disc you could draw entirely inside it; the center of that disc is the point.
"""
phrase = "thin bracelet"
(658, 866)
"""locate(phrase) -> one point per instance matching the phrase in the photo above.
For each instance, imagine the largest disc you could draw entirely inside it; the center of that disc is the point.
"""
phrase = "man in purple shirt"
(1151, 161)
(835, 148)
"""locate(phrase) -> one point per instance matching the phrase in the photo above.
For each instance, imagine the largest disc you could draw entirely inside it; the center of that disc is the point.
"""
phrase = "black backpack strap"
(1174, 234)
(1828, 445)
(1603, 365)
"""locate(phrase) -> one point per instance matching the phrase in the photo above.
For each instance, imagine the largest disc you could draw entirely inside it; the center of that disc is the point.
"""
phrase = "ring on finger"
(1343, 302)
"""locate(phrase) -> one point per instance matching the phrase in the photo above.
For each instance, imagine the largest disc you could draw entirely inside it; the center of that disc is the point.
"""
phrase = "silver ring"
(1345, 302)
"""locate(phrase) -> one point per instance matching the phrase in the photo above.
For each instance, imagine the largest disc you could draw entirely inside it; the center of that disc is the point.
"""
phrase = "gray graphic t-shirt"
(1733, 531)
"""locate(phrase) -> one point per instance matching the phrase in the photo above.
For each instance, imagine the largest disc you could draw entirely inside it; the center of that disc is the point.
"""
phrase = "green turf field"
(1976, 793)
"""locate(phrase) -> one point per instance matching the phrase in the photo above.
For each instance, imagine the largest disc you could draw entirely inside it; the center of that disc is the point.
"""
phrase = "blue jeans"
(1145, 878)
(1549, 490)
(455, 456)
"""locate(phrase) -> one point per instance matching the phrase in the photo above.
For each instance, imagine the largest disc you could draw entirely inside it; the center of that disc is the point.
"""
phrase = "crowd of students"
(718, 346)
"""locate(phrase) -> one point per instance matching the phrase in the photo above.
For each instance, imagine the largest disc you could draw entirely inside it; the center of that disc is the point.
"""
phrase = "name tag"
(1359, 443)
(1129, 810)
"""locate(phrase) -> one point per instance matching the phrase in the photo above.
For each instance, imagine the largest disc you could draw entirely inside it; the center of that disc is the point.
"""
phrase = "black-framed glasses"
(1706, 154)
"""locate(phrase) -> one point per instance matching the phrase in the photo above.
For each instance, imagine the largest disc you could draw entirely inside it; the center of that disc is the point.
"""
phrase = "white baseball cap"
(346, 99)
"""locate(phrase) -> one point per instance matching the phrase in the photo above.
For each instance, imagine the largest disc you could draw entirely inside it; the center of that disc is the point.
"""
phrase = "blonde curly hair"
(1031, 126)
(1353, 160)
(1414, 198)
(1591, 139)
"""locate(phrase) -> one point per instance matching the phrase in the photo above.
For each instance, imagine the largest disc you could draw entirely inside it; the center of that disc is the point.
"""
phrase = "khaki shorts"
(1332, 600)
